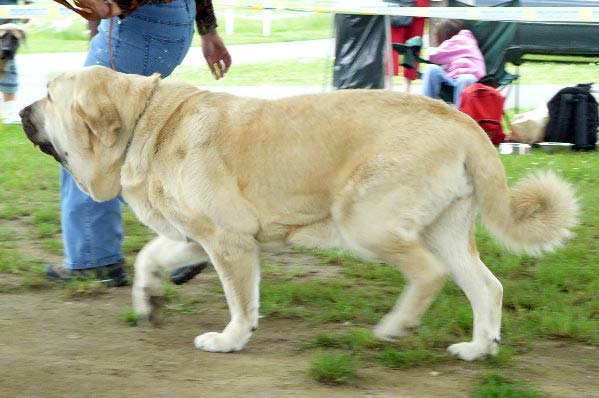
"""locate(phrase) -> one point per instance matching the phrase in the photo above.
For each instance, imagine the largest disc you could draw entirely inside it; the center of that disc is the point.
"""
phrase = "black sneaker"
(183, 274)
(112, 275)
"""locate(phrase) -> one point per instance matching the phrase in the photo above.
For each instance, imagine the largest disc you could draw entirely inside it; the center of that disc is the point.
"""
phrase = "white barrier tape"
(377, 7)
(518, 14)
(33, 11)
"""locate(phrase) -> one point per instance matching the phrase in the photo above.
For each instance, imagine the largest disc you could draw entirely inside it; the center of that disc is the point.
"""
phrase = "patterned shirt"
(205, 19)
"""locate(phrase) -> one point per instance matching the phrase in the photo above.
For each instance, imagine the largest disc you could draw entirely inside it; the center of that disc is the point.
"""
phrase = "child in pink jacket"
(460, 62)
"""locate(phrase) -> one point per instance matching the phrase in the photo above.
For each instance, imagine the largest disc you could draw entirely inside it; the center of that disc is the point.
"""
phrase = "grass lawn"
(548, 298)
(70, 35)
(316, 72)
(303, 72)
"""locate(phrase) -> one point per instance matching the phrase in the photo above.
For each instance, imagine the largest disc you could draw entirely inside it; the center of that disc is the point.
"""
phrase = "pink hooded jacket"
(459, 55)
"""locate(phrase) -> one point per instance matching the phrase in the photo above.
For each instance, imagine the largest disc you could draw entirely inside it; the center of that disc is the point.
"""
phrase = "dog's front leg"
(235, 258)
(159, 255)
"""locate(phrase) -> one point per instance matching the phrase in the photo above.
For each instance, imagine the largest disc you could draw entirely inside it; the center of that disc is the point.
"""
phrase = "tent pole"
(517, 94)
(388, 54)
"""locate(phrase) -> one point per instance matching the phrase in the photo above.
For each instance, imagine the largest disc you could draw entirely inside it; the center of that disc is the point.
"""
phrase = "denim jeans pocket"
(162, 55)
(169, 15)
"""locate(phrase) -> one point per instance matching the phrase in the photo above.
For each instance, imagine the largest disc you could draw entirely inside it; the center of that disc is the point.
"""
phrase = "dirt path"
(52, 346)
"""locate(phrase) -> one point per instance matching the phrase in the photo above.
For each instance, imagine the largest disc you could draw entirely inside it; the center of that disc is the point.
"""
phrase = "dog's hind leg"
(451, 238)
(235, 258)
(380, 233)
(425, 277)
(320, 235)
(158, 256)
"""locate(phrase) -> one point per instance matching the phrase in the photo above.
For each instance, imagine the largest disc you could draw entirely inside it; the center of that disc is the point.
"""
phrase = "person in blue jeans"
(147, 38)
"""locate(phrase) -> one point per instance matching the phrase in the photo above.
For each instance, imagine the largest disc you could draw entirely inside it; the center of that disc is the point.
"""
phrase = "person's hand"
(216, 54)
(99, 9)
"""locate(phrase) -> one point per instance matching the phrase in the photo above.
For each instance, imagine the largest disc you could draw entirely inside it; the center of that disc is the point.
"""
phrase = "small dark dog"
(11, 37)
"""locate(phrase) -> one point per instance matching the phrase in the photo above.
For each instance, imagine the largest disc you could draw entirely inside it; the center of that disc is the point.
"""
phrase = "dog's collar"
(146, 106)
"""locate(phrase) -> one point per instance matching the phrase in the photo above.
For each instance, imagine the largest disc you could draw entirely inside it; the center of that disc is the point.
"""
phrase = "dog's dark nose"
(23, 112)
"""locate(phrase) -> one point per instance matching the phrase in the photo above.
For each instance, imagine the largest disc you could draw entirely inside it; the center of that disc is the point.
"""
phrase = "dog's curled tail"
(534, 216)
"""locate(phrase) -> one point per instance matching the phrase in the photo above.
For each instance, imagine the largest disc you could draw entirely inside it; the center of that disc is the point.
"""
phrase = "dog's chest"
(151, 215)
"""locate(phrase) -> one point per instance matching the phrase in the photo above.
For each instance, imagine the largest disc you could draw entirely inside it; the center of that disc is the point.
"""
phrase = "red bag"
(484, 104)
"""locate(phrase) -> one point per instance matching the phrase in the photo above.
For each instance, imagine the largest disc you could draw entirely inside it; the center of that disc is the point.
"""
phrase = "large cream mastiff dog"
(390, 177)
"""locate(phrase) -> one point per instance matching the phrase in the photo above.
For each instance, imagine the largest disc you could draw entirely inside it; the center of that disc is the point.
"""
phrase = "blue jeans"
(9, 83)
(434, 76)
(154, 39)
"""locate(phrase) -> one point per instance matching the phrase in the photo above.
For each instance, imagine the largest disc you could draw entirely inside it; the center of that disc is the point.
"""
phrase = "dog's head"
(85, 122)
(11, 37)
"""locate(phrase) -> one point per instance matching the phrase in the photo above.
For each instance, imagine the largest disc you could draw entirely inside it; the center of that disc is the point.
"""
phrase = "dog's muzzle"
(7, 54)
(9, 45)
(32, 133)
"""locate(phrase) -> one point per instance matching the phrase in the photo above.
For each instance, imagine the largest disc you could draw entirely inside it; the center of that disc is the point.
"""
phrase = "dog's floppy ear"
(98, 112)
(13, 29)
(20, 34)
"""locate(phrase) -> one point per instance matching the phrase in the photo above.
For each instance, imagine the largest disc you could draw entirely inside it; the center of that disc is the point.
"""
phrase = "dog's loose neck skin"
(162, 107)
(141, 115)
(145, 127)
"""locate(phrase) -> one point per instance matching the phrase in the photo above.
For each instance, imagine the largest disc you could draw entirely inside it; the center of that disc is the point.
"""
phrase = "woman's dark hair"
(447, 29)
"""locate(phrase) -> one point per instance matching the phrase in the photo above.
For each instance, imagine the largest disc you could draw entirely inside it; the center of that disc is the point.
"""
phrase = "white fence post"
(229, 21)
(267, 19)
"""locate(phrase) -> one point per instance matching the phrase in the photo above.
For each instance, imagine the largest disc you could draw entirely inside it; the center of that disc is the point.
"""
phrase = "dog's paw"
(219, 342)
(388, 330)
(471, 351)
(141, 301)
(387, 335)
(147, 306)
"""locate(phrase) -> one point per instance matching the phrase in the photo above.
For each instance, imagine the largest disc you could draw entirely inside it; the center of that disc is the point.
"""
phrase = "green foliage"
(129, 317)
(495, 385)
(399, 359)
(334, 368)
